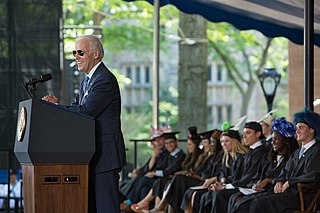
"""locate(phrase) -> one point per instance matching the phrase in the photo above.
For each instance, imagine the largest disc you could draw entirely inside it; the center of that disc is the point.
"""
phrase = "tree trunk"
(193, 74)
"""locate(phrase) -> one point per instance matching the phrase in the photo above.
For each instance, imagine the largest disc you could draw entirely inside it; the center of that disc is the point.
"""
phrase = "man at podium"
(99, 97)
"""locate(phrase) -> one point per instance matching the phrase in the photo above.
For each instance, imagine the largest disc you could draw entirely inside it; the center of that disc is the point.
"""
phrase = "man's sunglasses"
(80, 52)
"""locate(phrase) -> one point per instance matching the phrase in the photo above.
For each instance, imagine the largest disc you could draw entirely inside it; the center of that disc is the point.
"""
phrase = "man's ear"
(258, 134)
(96, 54)
(312, 130)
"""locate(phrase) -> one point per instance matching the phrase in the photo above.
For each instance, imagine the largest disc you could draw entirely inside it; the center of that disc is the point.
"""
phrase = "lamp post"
(269, 81)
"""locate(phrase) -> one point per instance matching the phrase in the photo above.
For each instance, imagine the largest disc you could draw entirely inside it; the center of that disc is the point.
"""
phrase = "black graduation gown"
(241, 203)
(251, 164)
(180, 183)
(130, 189)
(172, 165)
(232, 174)
(305, 170)
(267, 142)
(212, 170)
(235, 172)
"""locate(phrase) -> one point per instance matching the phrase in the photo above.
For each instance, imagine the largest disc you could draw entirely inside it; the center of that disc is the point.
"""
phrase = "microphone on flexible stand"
(32, 83)
(39, 79)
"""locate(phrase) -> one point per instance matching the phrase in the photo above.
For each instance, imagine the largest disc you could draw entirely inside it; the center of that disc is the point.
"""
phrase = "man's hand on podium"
(51, 98)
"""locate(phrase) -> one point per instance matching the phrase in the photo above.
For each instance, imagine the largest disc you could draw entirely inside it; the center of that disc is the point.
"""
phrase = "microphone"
(39, 79)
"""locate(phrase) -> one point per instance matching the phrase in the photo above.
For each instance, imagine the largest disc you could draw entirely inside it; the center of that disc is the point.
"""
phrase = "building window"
(210, 117)
(209, 73)
(219, 72)
(128, 72)
(229, 113)
(147, 74)
(138, 80)
(219, 115)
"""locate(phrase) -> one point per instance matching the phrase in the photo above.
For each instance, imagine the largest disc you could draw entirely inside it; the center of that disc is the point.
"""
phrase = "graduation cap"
(193, 134)
(285, 128)
(156, 133)
(256, 127)
(239, 123)
(216, 134)
(253, 125)
(155, 136)
(207, 134)
(225, 125)
(267, 118)
(169, 135)
(310, 118)
(232, 134)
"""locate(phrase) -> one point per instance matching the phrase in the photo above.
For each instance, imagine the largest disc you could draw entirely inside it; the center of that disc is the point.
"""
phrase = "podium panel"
(48, 133)
(55, 188)
(54, 146)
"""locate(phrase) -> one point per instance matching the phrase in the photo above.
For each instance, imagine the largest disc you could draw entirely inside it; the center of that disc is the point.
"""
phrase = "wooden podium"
(54, 146)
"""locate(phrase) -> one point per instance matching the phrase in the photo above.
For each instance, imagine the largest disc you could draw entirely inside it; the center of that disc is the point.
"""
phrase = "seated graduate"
(232, 165)
(302, 167)
(266, 123)
(283, 145)
(217, 199)
(129, 188)
(171, 164)
(189, 164)
(173, 194)
(192, 195)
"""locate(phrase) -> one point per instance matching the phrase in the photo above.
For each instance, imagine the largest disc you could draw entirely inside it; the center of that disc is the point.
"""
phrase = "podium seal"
(21, 125)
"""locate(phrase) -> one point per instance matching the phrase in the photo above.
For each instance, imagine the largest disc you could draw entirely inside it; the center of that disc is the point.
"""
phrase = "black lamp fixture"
(269, 81)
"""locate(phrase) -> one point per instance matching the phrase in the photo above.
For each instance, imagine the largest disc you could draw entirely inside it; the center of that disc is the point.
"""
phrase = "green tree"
(245, 54)
(137, 126)
(126, 26)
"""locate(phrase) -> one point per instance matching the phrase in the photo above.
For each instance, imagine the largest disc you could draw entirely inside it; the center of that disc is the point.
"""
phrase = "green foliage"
(122, 79)
(137, 126)
(278, 55)
(244, 49)
(282, 106)
(245, 54)
(168, 113)
(118, 41)
(126, 26)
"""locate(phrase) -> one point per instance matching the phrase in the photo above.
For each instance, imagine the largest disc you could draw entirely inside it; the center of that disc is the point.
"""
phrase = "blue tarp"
(273, 18)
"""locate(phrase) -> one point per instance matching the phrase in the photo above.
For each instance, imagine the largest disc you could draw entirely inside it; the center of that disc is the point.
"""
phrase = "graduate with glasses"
(172, 164)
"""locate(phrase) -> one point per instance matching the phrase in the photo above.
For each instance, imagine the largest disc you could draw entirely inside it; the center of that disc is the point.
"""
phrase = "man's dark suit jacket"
(103, 102)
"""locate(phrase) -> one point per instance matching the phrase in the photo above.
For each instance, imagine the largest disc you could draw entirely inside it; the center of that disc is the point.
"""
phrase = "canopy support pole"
(155, 78)
(309, 54)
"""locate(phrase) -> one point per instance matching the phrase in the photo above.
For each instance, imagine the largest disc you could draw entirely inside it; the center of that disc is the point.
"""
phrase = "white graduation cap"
(268, 118)
(239, 123)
